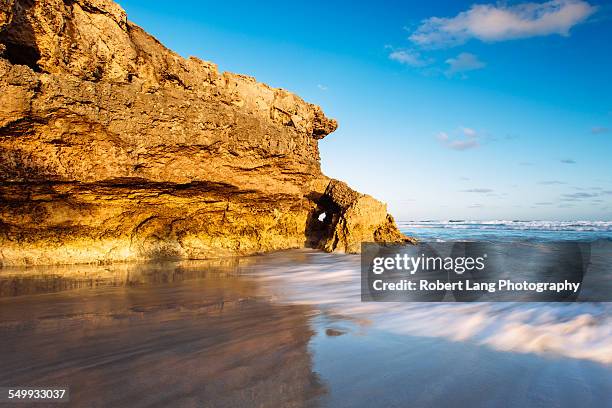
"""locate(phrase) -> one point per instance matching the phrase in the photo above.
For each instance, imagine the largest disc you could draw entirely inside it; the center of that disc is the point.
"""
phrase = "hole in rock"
(20, 54)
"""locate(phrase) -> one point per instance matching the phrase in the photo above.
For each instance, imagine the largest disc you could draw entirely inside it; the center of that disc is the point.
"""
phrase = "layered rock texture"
(113, 147)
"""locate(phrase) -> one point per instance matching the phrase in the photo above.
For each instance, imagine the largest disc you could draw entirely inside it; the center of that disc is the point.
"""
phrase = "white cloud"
(322, 87)
(551, 182)
(463, 62)
(468, 131)
(478, 190)
(409, 57)
(468, 141)
(500, 22)
(443, 137)
(463, 144)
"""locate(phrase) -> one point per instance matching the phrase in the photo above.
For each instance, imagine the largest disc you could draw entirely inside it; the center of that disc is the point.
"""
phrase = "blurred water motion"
(135, 342)
(287, 329)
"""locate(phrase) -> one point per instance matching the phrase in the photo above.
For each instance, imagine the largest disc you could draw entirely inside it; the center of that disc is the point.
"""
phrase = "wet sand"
(284, 329)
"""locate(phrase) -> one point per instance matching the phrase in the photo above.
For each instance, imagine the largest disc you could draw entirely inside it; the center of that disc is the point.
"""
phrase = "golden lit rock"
(113, 147)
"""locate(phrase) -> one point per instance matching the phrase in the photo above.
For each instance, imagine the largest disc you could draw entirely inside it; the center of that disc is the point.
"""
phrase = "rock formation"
(113, 147)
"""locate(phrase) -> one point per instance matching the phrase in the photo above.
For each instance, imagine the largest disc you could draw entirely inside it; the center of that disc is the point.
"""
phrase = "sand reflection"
(204, 342)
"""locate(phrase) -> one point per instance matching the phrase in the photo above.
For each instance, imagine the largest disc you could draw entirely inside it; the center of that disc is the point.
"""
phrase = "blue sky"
(447, 109)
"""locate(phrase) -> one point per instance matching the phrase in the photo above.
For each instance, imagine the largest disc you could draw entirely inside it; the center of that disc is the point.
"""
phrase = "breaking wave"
(592, 226)
(504, 230)
(331, 283)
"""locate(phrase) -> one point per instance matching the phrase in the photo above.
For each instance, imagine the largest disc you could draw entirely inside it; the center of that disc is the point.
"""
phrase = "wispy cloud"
(322, 87)
(501, 22)
(568, 161)
(410, 57)
(463, 62)
(478, 190)
(467, 140)
(598, 130)
(577, 196)
(597, 197)
(468, 131)
(551, 182)
(580, 188)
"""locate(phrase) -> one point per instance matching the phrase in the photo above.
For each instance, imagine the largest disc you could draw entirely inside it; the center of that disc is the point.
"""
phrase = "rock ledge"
(114, 148)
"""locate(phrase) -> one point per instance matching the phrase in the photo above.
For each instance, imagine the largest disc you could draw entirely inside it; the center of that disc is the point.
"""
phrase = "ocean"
(503, 230)
(288, 328)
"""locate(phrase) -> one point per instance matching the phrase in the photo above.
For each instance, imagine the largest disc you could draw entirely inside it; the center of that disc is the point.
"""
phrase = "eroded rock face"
(352, 218)
(113, 147)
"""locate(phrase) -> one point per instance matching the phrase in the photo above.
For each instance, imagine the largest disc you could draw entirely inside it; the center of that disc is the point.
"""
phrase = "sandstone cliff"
(113, 147)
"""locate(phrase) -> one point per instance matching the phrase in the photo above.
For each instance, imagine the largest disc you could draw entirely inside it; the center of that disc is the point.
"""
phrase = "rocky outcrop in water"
(113, 147)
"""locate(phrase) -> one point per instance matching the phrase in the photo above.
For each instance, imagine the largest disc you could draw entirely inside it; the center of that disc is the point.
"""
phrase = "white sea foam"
(596, 226)
(331, 282)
